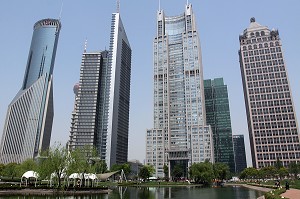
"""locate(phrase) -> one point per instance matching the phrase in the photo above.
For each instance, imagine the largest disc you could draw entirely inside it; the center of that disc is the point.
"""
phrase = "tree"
(166, 171)
(221, 171)
(249, 172)
(278, 164)
(54, 160)
(202, 173)
(282, 172)
(146, 171)
(177, 172)
(118, 167)
(99, 167)
(294, 169)
(11, 170)
(267, 172)
(28, 165)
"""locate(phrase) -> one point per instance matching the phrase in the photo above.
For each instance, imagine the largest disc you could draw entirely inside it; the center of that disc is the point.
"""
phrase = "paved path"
(292, 194)
(263, 189)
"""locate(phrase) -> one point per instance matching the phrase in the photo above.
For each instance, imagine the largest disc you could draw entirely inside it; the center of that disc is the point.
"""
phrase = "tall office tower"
(28, 124)
(180, 135)
(272, 124)
(89, 118)
(102, 110)
(218, 117)
(239, 153)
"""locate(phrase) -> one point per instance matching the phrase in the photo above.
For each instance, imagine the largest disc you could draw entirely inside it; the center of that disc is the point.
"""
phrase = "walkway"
(292, 194)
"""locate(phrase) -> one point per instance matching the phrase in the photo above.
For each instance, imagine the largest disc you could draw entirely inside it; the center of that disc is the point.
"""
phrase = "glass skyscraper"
(239, 153)
(103, 99)
(28, 124)
(218, 117)
(180, 135)
(272, 124)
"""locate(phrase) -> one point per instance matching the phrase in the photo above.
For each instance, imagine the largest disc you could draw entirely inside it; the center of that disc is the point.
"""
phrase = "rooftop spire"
(159, 5)
(118, 6)
(61, 9)
(85, 45)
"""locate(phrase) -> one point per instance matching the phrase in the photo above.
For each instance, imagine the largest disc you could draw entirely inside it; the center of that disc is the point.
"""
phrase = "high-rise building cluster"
(191, 116)
(100, 118)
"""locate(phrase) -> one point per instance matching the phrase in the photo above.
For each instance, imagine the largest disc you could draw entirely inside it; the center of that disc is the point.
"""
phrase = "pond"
(192, 192)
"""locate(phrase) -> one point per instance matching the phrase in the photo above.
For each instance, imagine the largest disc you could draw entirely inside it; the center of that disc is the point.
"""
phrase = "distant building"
(28, 124)
(135, 167)
(180, 135)
(272, 124)
(218, 117)
(239, 153)
(101, 118)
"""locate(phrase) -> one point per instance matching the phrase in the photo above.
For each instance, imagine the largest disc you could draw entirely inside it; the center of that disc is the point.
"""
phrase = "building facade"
(239, 153)
(103, 99)
(89, 118)
(28, 124)
(218, 117)
(272, 124)
(180, 135)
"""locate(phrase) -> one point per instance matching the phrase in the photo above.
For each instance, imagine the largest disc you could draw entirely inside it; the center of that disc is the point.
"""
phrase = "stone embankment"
(49, 192)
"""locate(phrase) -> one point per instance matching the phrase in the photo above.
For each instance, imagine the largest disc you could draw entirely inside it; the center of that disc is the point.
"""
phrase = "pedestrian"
(287, 185)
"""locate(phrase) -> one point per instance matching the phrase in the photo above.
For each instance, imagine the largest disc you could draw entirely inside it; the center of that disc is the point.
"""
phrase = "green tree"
(144, 173)
(278, 164)
(28, 165)
(54, 160)
(177, 172)
(2, 167)
(118, 167)
(221, 171)
(282, 172)
(249, 172)
(12, 170)
(294, 169)
(202, 173)
(166, 171)
(100, 166)
(267, 172)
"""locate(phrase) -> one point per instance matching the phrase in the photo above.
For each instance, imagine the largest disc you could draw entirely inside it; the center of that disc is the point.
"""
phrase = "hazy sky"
(219, 22)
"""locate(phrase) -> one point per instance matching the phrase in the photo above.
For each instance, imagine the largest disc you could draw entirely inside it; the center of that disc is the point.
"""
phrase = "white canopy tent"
(29, 174)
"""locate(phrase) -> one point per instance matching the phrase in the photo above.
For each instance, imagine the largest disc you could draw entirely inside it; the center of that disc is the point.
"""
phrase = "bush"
(275, 194)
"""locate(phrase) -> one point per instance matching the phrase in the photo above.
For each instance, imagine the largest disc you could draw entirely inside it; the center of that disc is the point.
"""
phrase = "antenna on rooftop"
(118, 6)
(159, 5)
(85, 45)
(61, 9)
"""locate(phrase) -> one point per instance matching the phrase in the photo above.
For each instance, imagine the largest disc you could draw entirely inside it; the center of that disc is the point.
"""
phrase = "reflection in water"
(235, 192)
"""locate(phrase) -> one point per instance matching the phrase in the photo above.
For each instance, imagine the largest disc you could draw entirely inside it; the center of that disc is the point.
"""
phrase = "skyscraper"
(28, 124)
(273, 129)
(180, 135)
(104, 95)
(90, 110)
(239, 153)
(218, 117)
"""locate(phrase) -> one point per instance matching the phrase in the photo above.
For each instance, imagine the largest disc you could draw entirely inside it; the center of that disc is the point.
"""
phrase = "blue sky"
(219, 23)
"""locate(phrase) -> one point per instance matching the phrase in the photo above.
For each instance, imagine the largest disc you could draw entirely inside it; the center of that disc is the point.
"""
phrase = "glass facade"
(239, 153)
(101, 116)
(178, 95)
(272, 124)
(89, 119)
(218, 117)
(28, 124)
